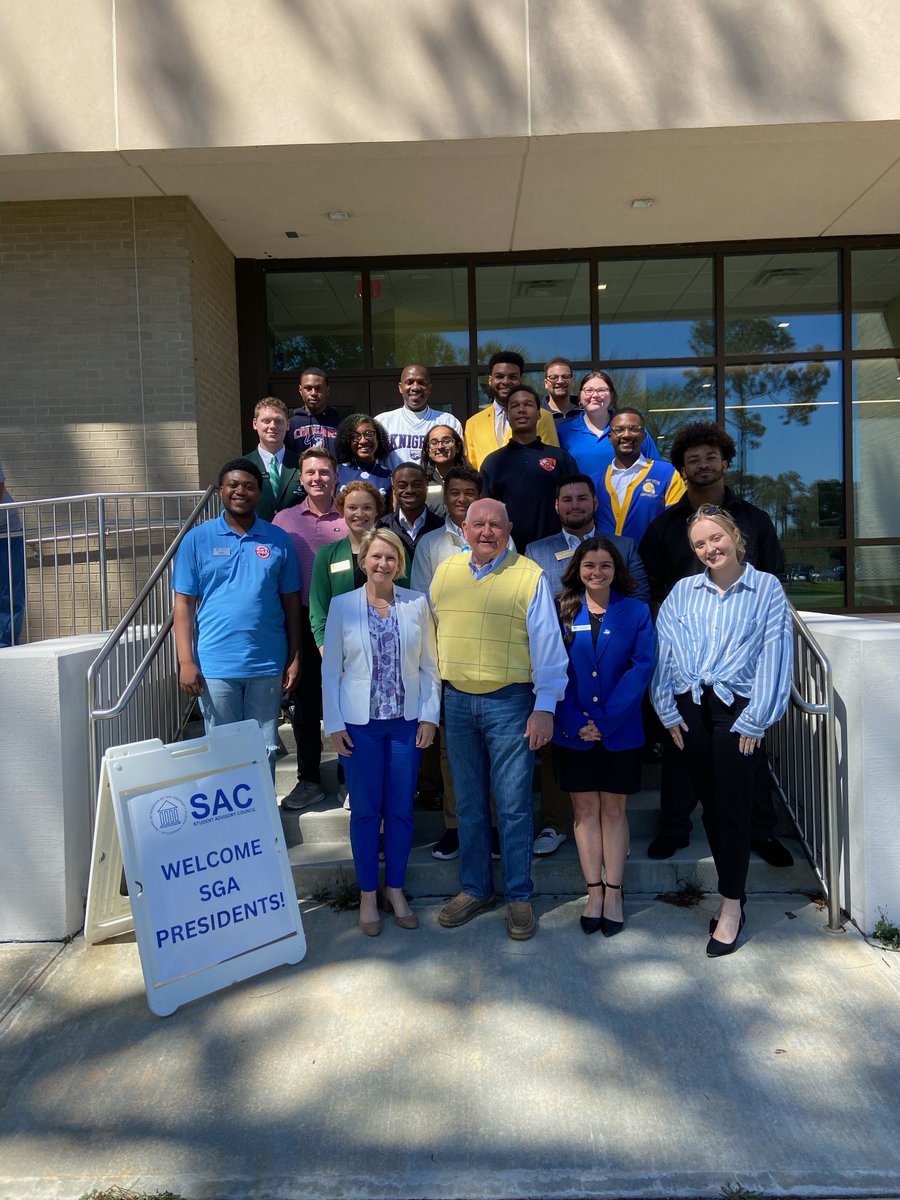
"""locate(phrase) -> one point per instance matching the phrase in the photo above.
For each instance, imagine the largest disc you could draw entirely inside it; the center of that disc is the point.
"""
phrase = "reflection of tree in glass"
(425, 347)
(799, 511)
(795, 385)
(328, 351)
(485, 350)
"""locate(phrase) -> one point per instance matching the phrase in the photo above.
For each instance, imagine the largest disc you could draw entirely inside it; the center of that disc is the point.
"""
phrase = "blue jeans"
(12, 588)
(224, 701)
(487, 748)
(381, 778)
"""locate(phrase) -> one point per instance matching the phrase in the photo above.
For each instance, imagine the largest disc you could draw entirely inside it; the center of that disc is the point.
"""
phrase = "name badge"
(582, 628)
(337, 567)
(563, 554)
(221, 551)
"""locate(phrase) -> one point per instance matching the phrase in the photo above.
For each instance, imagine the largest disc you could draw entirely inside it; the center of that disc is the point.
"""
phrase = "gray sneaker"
(304, 795)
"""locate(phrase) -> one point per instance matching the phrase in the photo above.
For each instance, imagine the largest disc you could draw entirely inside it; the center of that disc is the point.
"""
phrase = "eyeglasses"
(369, 436)
(620, 429)
(447, 441)
(558, 378)
(595, 392)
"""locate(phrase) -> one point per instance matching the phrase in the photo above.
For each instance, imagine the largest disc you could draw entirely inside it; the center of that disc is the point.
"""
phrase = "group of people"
(499, 582)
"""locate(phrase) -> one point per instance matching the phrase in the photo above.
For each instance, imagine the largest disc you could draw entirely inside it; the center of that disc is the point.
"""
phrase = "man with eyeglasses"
(559, 377)
(408, 426)
(702, 452)
(314, 423)
(489, 429)
(635, 489)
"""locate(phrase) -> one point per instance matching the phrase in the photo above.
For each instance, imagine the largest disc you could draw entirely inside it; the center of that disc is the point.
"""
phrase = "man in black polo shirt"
(702, 453)
(524, 473)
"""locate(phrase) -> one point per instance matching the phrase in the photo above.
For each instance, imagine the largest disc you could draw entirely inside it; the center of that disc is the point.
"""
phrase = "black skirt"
(598, 769)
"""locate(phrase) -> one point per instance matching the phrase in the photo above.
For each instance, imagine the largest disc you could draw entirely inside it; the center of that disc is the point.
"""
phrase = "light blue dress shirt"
(739, 643)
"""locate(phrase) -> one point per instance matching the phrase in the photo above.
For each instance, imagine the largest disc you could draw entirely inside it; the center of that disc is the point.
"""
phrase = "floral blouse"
(388, 695)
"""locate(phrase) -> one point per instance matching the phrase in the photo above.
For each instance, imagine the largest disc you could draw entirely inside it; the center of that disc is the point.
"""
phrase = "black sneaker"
(448, 846)
(495, 843)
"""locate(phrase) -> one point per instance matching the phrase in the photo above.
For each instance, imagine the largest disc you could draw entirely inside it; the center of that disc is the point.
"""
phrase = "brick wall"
(118, 347)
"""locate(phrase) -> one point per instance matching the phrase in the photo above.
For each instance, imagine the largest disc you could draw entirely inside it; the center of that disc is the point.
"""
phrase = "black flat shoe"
(714, 921)
(716, 949)
(611, 928)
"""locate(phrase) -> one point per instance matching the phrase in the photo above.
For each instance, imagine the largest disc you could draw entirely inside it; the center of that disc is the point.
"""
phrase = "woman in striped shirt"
(723, 676)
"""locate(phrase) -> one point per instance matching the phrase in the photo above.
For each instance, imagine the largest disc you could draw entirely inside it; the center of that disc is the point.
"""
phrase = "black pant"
(307, 700)
(724, 780)
(678, 797)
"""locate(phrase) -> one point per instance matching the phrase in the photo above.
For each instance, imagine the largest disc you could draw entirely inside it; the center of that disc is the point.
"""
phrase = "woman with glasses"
(597, 730)
(442, 450)
(361, 447)
(723, 676)
(587, 437)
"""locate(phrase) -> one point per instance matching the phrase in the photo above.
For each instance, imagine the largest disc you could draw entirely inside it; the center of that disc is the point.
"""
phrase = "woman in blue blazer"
(598, 732)
(381, 696)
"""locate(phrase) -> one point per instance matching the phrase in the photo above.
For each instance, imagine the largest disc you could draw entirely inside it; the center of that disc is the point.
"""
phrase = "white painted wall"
(865, 657)
(45, 844)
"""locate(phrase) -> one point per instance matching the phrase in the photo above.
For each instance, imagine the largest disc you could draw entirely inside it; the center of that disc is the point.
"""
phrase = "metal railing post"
(104, 585)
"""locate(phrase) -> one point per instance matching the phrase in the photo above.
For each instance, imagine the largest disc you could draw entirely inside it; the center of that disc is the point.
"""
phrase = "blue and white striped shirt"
(738, 643)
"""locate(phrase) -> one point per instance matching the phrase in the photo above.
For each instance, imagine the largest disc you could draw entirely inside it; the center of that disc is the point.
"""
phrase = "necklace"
(376, 602)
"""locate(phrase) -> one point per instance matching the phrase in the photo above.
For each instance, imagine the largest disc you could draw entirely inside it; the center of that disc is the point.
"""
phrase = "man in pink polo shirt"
(310, 525)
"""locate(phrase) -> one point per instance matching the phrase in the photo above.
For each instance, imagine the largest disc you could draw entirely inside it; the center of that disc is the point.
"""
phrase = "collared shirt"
(431, 551)
(738, 642)
(238, 579)
(501, 423)
(621, 477)
(309, 531)
(594, 451)
(549, 660)
(267, 456)
(412, 529)
(525, 479)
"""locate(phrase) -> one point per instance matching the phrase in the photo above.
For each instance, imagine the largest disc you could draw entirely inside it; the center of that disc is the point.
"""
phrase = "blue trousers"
(381, 777)
(224, 701)
(487, 749)
(12, 588)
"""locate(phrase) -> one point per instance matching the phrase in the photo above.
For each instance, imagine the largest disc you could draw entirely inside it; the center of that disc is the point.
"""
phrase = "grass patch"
(118, 1193)
(886, 932)
(689, 895)
(736, 1191)
(342, 896)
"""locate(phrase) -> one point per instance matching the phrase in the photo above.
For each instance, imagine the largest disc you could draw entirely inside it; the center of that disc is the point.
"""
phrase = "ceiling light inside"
(784, 324)
(601, 287)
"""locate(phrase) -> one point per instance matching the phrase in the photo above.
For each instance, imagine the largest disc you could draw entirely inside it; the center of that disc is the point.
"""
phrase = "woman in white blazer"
(381, 696)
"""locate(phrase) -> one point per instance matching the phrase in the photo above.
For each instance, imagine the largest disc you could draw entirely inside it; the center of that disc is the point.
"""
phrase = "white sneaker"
(548, 841)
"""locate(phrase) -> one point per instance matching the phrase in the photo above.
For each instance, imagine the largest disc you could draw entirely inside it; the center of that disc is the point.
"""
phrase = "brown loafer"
(463, 908)
(520, 922)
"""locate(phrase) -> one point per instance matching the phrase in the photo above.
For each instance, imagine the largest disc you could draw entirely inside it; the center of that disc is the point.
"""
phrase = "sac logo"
(221, 804)
(263, 551)
(167, 815)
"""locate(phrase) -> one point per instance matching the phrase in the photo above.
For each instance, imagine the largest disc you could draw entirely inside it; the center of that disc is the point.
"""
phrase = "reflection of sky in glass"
(669, 397)
(538, 343)
(649, 307)
(876, 447)
(786, 452)
(420, 314)
(538, 309)
(784, 301)
(646, 339)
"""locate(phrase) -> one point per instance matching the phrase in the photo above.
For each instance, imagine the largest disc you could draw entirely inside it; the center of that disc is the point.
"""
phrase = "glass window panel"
(656, 308)
(537, 309)
(786, 424)
(314, 318)
(876, 447)
(877, 576)
(777, 303)
(876, 298)
(816, 577)
(420, 315)
(669, 397)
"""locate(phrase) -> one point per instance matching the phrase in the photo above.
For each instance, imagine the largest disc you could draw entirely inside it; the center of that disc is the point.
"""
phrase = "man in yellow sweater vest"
(501, 655)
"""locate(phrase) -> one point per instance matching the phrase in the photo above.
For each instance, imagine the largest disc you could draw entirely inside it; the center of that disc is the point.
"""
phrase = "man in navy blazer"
(576, 506)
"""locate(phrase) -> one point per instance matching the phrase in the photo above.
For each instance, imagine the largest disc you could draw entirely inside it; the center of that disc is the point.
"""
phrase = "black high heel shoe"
(592, 924)
(611, 928)
(716, 949)
(714, 921)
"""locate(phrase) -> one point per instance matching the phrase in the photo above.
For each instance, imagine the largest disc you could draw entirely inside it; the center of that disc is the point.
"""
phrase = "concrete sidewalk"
(457, 1063)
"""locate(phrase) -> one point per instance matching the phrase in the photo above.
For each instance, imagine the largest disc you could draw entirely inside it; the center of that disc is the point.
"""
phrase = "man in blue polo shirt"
(237, 610)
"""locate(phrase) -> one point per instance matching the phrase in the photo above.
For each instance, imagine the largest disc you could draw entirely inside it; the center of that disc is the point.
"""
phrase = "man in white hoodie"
(408, 426)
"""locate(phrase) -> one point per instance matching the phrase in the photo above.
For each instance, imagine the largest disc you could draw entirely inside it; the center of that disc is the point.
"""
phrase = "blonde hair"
(722, 518)
(382, 535)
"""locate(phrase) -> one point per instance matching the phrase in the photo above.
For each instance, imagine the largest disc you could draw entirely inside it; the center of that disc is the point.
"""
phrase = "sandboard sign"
(205, 862)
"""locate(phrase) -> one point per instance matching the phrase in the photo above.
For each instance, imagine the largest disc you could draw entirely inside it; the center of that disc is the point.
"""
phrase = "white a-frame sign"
(206, 866)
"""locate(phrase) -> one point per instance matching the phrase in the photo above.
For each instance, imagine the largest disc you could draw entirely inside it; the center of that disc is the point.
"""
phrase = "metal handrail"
(146, 625)
(802, 750)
